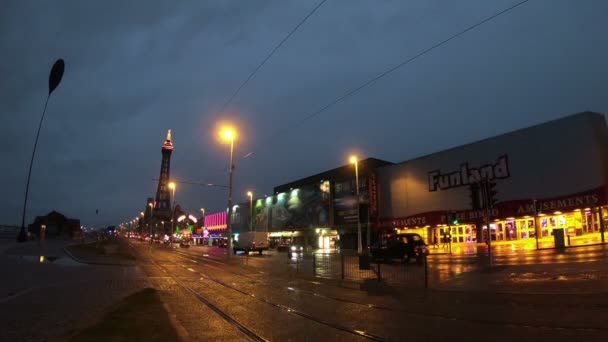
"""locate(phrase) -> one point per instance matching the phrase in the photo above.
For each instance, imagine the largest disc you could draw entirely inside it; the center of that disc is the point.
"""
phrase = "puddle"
(49, 259)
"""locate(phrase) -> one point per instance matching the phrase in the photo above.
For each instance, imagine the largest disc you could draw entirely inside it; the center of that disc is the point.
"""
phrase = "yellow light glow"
(42, 258)
(249, 193)
(150, 205)
(353, 159)
(172, 185)
(228, 133)
(141, 213)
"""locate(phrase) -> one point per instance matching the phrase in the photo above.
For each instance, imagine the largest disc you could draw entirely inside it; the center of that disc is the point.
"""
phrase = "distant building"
(56, 225)
(320, 211)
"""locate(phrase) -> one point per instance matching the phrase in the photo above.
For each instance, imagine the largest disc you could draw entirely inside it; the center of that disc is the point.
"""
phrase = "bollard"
(314, 265)
(426, 273)
(342, 265)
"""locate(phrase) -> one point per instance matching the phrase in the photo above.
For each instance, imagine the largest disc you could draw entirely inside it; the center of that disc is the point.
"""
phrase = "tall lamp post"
(54, 79)
(204, 222)
(172, 187)
(228, 134)
(354, 160)
(150, 221)
(250, 194)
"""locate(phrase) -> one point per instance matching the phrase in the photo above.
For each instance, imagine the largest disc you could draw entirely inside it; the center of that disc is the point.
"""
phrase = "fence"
(347, 267)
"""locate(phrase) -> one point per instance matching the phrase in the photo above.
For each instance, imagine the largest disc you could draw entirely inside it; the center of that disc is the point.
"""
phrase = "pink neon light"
(216, 221)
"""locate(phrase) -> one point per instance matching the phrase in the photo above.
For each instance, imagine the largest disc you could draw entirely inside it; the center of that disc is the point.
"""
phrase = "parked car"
(222, 243)
(405, 247)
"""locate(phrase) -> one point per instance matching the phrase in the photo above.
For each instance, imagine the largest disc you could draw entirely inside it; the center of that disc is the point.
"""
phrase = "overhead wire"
(388, 71)
(272, 52)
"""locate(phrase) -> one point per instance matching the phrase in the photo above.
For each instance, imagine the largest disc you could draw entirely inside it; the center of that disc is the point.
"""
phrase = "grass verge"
(138, 317)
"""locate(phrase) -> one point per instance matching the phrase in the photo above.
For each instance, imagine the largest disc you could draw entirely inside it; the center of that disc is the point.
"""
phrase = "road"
(245, 299)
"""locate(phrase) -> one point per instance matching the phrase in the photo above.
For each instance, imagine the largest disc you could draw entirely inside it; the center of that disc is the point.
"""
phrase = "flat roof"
(340, 173)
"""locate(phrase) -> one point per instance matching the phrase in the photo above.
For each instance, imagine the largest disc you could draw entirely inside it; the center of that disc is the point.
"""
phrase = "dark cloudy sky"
(136, 68)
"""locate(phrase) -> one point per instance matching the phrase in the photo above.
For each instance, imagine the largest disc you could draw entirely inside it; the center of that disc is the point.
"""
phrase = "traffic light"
(475, 196)
(537, 210)
(489, 192)
(492, 192)
(451, 216)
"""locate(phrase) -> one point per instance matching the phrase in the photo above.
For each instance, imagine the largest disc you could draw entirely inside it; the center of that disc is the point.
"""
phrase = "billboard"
(302, 208)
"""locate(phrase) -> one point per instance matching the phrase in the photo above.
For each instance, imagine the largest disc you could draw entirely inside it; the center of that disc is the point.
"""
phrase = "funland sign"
(468, 175)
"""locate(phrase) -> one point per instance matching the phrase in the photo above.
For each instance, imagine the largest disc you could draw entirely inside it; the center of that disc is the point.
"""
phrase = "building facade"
(321, 211)
(547, 178)
(55, 225)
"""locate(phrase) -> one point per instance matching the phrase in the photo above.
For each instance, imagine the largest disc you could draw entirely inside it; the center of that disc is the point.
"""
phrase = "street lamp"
(204, 221)
(229, 134)
(150, 222)
(55, 77)
(172, 187)
(354, 160)
(250, 194)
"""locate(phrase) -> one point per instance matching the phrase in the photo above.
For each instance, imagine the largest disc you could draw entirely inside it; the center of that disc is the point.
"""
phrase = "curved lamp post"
(54, 79)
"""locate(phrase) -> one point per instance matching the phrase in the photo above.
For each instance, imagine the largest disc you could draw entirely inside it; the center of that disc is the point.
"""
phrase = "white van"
(250, 241)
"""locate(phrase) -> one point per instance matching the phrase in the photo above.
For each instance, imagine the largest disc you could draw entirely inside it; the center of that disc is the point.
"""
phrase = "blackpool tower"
(162, 204)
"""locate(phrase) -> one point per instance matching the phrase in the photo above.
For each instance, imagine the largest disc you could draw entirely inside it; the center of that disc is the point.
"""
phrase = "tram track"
(251, 335)
(187, 256)
(247, 332)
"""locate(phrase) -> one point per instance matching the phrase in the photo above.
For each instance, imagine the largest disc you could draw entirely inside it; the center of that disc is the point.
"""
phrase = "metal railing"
(342, 266)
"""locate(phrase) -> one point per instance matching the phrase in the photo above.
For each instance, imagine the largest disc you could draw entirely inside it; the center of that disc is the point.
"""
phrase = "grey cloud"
(135, 69)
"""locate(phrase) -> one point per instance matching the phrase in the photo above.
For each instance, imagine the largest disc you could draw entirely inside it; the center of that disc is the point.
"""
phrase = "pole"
(426, 273)
(22, 236)
(602, 224)
(228, 223)
(487, 218)
(251, 213)
(359, 243)
(368, 233)
(150, 224)
(449, 237)
(172, 213)
(536, 232)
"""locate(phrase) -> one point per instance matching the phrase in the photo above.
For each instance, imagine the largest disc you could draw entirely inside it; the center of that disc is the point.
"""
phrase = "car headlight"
(293, 248)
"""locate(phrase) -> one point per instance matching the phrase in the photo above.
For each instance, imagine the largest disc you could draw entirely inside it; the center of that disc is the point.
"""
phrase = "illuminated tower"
(162, 205)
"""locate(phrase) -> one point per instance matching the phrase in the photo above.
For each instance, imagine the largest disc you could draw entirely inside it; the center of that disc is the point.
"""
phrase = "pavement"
(45, 295)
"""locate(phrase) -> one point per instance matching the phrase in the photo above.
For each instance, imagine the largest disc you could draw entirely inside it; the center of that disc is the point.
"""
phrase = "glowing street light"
(229, 135)
(172, 187)
(250, 194)
(150, 223)
(204, 221)
(354, 160)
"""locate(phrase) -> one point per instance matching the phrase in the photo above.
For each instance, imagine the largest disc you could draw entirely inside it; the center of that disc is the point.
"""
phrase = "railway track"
(194, 258)
(243, 329)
